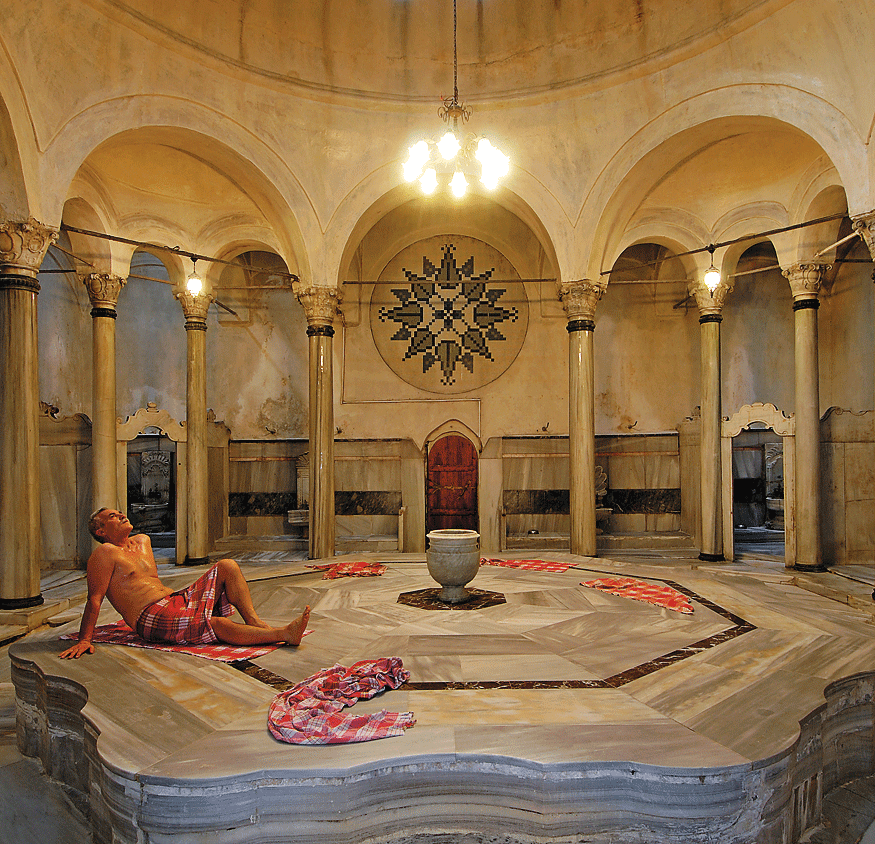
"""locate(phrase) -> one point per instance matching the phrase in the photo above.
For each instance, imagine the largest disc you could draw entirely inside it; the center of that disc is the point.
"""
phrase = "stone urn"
(453, 558)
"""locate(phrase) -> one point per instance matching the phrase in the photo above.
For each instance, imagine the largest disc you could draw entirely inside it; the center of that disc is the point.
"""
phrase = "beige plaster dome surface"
(392, 49)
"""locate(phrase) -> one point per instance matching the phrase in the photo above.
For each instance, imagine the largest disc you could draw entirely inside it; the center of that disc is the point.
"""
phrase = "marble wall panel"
(367, 473)
(628, 523)
(536, 472)
(84, 501)
(368, 503)
(832, 502)
(859, 471)
(58, 505)
(859, 531)
(366, 525)
(522, 523)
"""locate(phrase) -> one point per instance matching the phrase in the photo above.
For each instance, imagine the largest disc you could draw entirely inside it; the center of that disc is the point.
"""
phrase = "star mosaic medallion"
(451, 328)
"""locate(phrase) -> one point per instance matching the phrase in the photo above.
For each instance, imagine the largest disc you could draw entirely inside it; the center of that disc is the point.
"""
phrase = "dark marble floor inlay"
(428, 599)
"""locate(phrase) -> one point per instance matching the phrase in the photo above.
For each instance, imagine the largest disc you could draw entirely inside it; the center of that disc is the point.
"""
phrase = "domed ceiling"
(402, 49)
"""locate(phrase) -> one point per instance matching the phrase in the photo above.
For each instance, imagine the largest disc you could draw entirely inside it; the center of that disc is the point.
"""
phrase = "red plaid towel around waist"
(183, 617)
(309, 713)
(528, 565)
(360, 569)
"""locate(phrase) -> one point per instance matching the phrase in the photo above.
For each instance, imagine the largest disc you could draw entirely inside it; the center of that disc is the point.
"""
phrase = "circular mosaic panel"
(449, 314)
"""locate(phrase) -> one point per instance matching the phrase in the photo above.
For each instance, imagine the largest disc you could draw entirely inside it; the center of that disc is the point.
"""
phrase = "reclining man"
(123, 569)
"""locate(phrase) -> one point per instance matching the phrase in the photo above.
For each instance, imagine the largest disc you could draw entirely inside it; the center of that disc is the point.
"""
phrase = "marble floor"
(562, 712)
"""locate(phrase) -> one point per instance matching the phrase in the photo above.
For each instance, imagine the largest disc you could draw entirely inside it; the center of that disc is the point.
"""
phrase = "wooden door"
(452, 485)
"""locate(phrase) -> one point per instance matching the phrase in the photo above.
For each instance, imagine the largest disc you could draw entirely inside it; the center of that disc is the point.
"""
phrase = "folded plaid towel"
(653, 593)
(120, 634)
(528, 565)
(309, 713)
(335, 570)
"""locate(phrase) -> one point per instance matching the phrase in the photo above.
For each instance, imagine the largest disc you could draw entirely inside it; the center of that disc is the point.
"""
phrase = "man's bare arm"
(100, 569)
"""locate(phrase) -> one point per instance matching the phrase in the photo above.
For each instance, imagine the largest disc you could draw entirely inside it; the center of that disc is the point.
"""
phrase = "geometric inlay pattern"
(450, 329)
(737, 627)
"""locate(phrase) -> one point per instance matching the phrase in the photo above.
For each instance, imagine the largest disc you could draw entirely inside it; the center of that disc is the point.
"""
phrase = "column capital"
(103, 291)
(195, 308)
(23, 245)
(319, 303)
(864, 225)
(579, 298)
(710, 302)
(805, 279)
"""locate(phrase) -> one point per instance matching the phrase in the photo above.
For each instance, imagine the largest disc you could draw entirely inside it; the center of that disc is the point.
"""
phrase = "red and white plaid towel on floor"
(528, 565)
(309, 713)
(334, 570)
(120, 634)
(653, 593)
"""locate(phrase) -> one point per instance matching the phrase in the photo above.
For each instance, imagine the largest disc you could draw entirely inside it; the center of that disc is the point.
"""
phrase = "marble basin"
(453, 559)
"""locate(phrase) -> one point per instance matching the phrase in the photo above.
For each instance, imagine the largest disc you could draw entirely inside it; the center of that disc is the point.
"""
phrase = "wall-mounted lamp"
(195, 283)
(712, 274)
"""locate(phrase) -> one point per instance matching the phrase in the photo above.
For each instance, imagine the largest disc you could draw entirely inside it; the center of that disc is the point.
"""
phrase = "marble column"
(320, 306)
(197, 518)
(103, 292)
(22, 249)
(864, 225)
(579, 298)
(805, 281)
(710, 305)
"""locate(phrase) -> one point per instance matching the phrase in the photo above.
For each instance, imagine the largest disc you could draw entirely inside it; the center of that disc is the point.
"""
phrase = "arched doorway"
(451, 483)
(760, 417)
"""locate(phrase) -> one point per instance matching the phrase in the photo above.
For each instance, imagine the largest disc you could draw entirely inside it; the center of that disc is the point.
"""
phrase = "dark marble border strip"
(739, 628)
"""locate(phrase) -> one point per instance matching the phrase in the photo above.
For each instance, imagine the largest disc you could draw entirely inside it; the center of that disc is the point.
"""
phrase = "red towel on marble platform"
(528, 565)
(309, 713)
(653, 593)
(120, 634)
(362, 569)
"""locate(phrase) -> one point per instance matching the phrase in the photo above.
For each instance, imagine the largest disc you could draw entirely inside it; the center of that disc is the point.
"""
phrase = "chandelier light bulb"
(449, 146)
(194, 283)
(428, 181)
(414, 164)
(712, 278)
(493, 162)
(458, 184)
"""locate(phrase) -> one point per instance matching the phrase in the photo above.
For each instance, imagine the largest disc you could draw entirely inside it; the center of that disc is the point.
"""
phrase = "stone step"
(239, 542)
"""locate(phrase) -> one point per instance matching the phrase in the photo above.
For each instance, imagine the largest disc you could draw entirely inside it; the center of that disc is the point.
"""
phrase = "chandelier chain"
(455, 59)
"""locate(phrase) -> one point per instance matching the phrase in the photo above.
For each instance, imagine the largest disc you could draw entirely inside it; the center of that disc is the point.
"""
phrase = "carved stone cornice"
(23, 246)
(103, 290)
(319, 303)
(579, 299)
(806, 279)
(195, 308)
(864, 225)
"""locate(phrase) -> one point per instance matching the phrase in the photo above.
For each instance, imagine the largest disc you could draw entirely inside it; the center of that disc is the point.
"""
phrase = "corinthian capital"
(579, 298)
(195, 308)
(103, 289)
(319, 303)
(806, 279)
(710, 302)
(864, 225)
(24, 245)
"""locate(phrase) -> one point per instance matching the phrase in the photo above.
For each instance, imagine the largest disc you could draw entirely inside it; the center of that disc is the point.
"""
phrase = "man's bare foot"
(294, 632)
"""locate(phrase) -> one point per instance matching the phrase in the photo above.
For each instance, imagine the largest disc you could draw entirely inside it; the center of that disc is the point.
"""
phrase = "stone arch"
(225, 144)
(679, 132)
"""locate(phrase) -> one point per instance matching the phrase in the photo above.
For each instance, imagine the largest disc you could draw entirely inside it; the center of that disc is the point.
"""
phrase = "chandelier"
(453, 160)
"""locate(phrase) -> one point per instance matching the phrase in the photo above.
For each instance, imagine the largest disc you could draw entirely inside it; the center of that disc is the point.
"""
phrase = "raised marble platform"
(562, 715)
